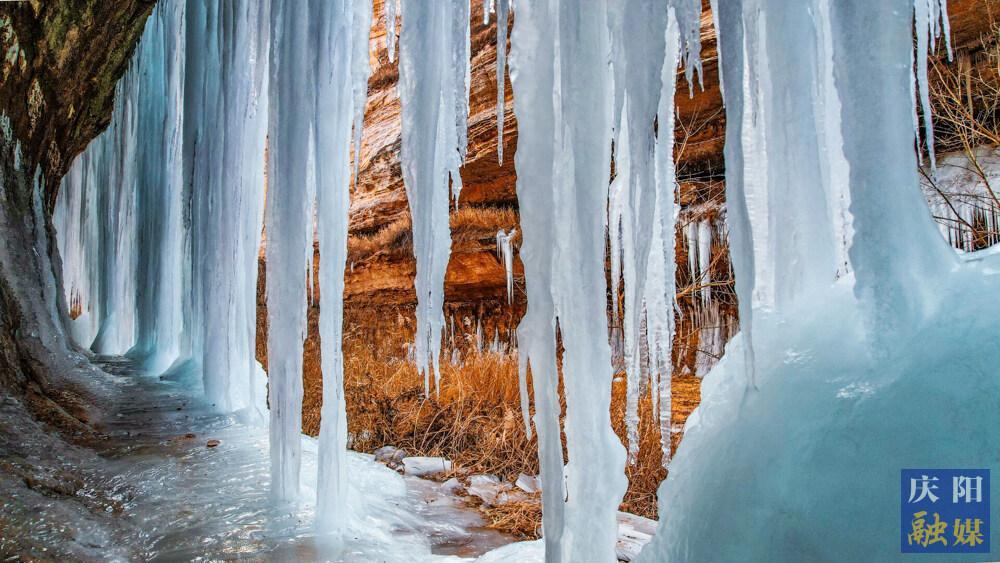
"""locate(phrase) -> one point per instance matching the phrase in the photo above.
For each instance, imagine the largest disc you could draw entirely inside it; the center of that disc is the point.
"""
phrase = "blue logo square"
(944, 510)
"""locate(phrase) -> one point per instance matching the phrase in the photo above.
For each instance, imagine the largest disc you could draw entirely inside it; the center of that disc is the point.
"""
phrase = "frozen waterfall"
(160, 222)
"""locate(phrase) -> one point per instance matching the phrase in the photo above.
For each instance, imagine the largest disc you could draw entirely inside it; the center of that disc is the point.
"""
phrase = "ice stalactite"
(661, 274)
(389, 12)
(502, 8)
(562, 166)
(342, 35)
(230, 199)
(434, 93)
(289, 223)
(505, 252)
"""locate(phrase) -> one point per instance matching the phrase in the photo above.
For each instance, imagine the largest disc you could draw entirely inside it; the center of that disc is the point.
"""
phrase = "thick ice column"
(158, 185)
(434, 94)
(562, 181)
(233, 196)
(289, 232)
(896, 251)
(340, 75)
(532, 71)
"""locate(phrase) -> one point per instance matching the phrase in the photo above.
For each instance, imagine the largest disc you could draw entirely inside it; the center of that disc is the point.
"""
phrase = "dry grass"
(475, 418)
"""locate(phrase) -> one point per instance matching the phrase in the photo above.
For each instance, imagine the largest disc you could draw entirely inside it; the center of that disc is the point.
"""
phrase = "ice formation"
(343, 34)
(164, 265)
(389, 11)
(963, 199)
(836, 355)
(434, 83)
(505, 252)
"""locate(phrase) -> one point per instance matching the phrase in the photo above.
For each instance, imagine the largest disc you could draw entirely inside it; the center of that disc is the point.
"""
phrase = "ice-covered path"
(182, 500)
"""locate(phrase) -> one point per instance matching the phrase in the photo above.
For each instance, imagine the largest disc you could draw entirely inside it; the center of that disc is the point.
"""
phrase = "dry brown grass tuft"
(520, 518)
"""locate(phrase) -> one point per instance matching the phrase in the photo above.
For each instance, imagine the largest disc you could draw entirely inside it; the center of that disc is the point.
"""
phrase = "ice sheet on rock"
(182, 501)
(488, 488)
(634, 532)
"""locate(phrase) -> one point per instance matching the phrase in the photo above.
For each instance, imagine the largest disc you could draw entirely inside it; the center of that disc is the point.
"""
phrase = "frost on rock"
(434, 81)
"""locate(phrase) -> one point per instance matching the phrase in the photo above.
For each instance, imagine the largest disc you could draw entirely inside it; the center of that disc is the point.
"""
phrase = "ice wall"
(160, 218)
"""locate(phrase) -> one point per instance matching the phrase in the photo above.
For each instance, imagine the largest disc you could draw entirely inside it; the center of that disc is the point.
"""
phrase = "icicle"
(662, 268)
(505, 252)
(288, 221)
(502, 9)
(389, 11)
(360, 70)
(689, 22)
(562, 168)
(433, 91)
(339, 101)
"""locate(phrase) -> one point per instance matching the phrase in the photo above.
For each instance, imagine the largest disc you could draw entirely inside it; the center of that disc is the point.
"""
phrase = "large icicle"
(434, 94)
(562, 170)
(389, 13)
(289, 234)
(891, 265)
(232, 195)
(340, 76)
(502, 6)
(505, 252)
(661, 281)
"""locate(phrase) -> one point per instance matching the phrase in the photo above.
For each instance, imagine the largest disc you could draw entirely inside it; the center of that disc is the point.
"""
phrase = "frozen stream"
(178, 499)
